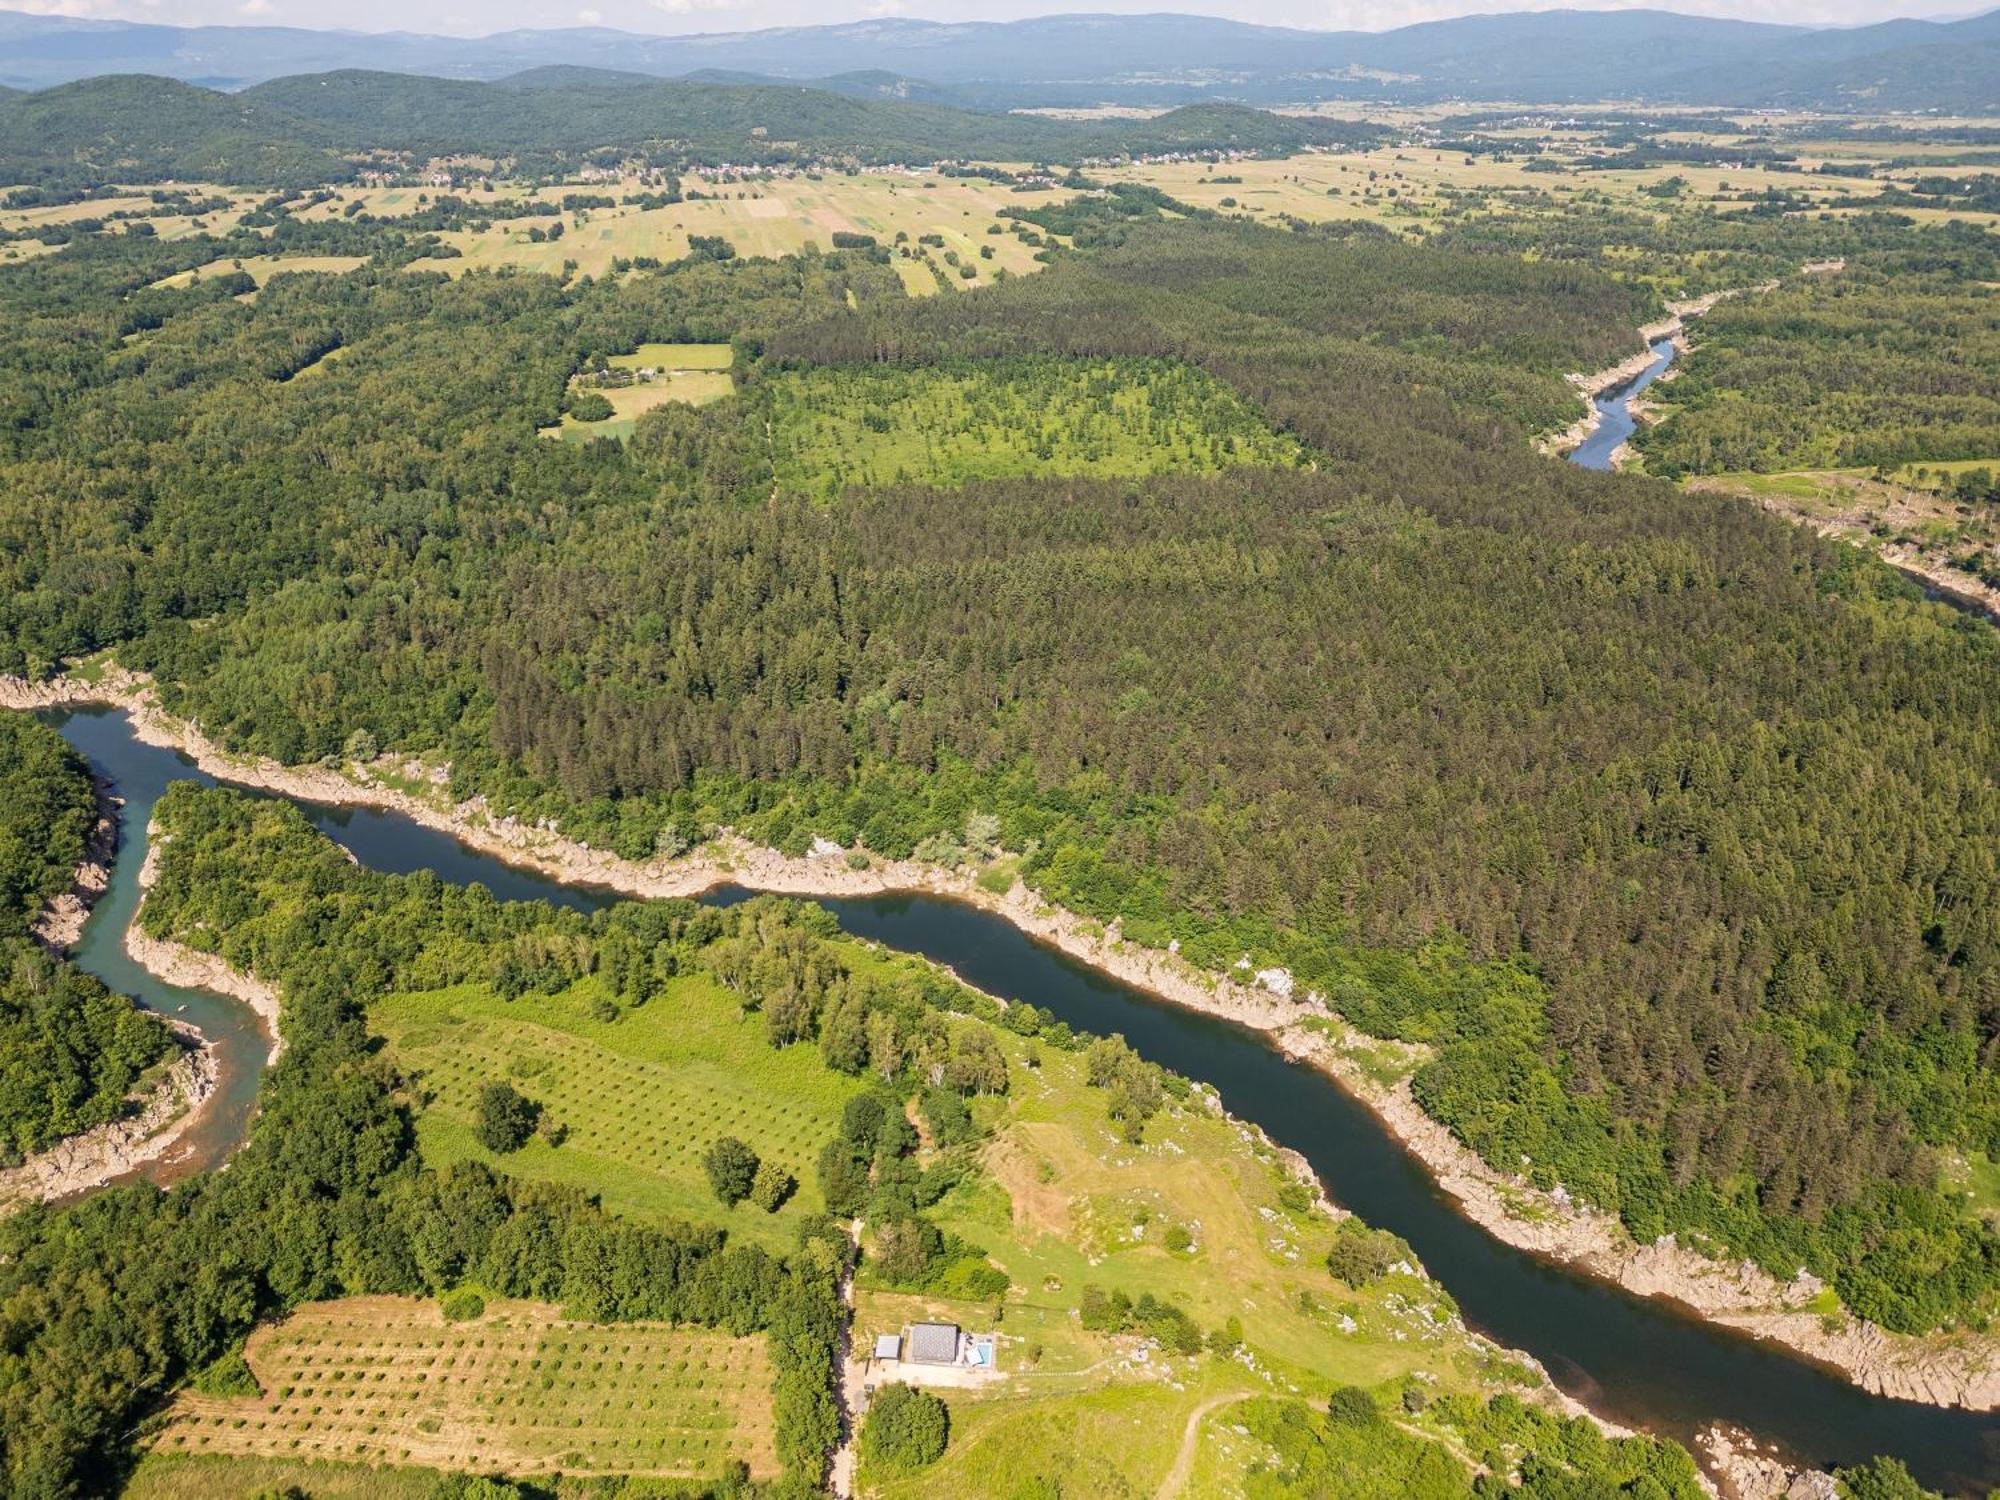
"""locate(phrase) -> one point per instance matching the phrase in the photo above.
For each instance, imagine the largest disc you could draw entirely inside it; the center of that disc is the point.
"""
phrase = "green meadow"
(637, 1100)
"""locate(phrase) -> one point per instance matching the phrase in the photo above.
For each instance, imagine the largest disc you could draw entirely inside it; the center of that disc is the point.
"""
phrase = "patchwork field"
(388, 1380)
(1403, 187)
(835, 428)
(639, 1098)
(779, 217)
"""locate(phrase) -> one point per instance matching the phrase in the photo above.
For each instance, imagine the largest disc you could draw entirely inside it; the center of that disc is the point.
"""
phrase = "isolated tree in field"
(905, 1430)
(506, 1118)
(732, 1169)
(771, 1187)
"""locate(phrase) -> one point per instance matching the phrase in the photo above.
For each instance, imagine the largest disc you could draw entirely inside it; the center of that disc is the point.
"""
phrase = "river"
(1615, 422)
(1632, 1360)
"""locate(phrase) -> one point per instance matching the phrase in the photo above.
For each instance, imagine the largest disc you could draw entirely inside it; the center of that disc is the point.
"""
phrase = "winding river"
(1632, 1360)
(1615, 422)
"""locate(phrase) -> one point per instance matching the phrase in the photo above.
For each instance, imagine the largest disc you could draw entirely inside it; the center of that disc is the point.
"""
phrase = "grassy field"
(387, 1380)
(261, 268)
(1066, 1202)
(675, 357)
(834, 428)
(642, 1097)
(1405, 187)
(775, 218)
(215, 1476)
(694, 373)
(695, 387)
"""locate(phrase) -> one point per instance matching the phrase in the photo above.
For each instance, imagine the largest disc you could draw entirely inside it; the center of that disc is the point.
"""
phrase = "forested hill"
(305, 130)
(1670, 826)
(1158, 59)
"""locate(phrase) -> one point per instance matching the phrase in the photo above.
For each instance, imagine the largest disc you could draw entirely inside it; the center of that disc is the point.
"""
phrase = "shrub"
(905, 1430)
(1362, 1256)
(590, 406)
(228, 1376)
(506, 1118)
(462, 1304)
(771, 1187)
(1350, 1406)
(732, 1169)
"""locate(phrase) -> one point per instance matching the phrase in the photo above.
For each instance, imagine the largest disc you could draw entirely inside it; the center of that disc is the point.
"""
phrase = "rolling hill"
(1088, 59)
(308, 129)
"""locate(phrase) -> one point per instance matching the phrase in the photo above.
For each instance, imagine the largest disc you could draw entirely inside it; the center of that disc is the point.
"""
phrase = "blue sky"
(474, 17)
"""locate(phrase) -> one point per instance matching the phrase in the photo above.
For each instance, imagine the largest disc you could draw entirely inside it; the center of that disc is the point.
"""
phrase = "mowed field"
(775, 218)
(639, 1098)
(388, 1380)
(1066, 1202)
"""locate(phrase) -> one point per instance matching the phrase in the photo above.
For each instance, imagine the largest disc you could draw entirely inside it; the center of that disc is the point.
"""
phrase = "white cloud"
(590, 18)
(257, 8)
(696, 7)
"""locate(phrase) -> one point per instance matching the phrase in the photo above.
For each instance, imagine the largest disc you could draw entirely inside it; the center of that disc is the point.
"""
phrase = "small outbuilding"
(888, 1346)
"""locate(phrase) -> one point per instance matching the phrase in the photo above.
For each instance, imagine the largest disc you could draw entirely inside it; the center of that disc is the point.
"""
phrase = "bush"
(1362, 1256)
(590, 406)
(771, 1187)
(905, 1430)
(732, 1169)
(506, 1118)
(1350, 1406)
(228, 1376)
(461, 1305)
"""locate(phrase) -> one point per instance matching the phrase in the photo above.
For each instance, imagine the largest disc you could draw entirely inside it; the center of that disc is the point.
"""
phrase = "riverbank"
(78, 1163)
(1672, 327)
(1878, 518)
(1942, 1370)
(188, 969)
(158, 1119)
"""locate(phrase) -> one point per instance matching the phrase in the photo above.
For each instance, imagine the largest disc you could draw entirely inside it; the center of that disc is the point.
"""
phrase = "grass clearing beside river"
(641, 1097)
(1199, 1215)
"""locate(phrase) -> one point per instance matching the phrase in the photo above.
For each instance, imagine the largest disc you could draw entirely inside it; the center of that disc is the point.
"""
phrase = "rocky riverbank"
(186, 968)
(78, 1163)
(59, 927)
(1743, 1472)
(157, 1119)
(1957, 1370)
(1590, 387)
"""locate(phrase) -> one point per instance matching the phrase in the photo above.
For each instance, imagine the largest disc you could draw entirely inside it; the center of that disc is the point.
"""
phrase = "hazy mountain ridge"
(1085, 59)
(308, 129)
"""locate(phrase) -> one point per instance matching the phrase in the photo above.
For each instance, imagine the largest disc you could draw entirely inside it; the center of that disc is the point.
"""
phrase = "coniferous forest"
(1211, 572)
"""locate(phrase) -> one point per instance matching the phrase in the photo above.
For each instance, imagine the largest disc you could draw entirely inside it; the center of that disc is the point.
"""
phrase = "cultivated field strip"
(389, 1380)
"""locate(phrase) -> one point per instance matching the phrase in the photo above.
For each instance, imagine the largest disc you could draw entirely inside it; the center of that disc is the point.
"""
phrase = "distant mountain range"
(309, 128)
(1080, 60)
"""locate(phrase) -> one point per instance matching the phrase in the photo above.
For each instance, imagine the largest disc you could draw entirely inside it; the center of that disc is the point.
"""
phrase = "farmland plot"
(519, 1389)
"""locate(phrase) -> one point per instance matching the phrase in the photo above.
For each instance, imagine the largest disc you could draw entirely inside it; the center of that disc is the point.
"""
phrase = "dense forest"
(1893, 360)
(70, 1050)
(1672, 827)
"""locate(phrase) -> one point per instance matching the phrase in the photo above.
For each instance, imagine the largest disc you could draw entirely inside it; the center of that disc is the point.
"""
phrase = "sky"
(667, 17)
